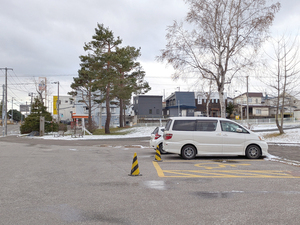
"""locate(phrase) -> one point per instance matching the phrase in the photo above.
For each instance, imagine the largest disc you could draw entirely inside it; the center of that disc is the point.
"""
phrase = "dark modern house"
(180, 104)
(147, 106)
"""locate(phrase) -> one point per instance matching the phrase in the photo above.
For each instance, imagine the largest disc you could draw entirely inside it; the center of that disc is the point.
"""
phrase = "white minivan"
(191, 136)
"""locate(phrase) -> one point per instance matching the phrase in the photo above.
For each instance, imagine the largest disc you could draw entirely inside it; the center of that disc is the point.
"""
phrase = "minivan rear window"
(167, 127)
(155, 130)
(184, 125)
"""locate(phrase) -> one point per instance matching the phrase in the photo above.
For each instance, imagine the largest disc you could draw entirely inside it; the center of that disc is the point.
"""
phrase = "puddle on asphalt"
(70, 214)
(214, 195)
(156, 184)
(225, 161)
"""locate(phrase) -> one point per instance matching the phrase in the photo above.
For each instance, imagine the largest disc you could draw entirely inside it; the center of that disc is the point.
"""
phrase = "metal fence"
(266, 121)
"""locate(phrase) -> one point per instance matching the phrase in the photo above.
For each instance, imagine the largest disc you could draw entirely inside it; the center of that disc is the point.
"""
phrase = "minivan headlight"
(261, 138)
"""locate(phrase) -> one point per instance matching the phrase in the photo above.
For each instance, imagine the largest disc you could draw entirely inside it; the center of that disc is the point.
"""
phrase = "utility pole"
(5, 100)
(12, 109)
(3, 128)
(58, 102)
(247, 100)
(179, 108)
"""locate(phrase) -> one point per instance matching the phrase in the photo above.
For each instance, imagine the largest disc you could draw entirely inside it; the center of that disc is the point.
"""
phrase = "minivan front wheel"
(188, 152)
(253, 152)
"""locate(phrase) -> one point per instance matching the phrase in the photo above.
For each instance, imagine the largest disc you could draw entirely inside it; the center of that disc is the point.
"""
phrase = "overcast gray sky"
(45, 38)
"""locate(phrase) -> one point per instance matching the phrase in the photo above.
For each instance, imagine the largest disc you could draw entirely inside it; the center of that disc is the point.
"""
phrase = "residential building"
(147, 106)
(212, 101)
(98, 112)
(291, 104)
(255, 105)
(72, 108)
(66, 108)
(180, 104)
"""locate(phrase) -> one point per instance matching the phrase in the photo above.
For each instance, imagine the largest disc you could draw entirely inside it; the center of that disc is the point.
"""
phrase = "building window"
(113, 110)
(256, 101)
(85, 109)
(199, 100)
(157, 111)
(66, 101)
(258, 111)
(150, 111)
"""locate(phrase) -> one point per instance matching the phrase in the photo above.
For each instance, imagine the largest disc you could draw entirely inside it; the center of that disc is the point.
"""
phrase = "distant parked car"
(157, 139)
(191, 136)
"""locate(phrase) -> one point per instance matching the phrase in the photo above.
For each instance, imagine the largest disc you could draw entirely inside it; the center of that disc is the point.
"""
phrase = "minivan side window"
(231, 127)
(184, 125)
(207, 125)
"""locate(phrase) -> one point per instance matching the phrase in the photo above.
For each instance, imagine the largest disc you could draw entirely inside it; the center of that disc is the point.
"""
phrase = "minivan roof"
(197, 118)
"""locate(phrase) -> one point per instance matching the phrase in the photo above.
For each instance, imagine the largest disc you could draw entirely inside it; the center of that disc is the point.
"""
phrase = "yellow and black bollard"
(135, 171)
(157, 155)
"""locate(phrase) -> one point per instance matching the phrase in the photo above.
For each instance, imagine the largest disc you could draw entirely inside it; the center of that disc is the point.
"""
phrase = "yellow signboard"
(55, 98)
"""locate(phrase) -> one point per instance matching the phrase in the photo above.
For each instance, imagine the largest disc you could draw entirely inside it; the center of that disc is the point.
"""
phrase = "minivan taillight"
(168, 136)
(157, 136)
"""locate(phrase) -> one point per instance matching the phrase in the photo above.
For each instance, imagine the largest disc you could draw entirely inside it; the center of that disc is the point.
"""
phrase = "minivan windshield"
(231, 127)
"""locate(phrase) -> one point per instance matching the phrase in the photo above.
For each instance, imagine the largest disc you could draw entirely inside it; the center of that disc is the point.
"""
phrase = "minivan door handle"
(225, 135)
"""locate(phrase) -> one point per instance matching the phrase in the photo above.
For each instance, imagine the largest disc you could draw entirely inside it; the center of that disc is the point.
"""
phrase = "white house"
(98, 112)
(66, 108)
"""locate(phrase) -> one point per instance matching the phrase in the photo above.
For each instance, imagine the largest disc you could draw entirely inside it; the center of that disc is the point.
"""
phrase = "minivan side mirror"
(239, 130)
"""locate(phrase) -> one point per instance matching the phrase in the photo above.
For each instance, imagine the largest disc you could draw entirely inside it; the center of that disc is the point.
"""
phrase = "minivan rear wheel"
(161, 149)
(188, 152)
(253, 152)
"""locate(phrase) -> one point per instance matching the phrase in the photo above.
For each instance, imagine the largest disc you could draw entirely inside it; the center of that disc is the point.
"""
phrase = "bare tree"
(206, 88)
(40, 87)
(221, 41)
(283, 75)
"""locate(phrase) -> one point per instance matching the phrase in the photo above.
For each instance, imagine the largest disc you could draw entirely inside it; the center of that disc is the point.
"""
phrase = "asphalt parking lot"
(88, 182)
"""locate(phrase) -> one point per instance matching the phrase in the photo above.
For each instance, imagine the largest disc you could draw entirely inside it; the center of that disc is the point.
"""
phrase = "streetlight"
(31, 95)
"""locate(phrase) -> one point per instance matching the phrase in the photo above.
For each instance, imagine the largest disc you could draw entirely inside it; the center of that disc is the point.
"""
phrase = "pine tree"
(32, 121)
(130, 79)
(110, 69)
(84, 87)
(102, 52)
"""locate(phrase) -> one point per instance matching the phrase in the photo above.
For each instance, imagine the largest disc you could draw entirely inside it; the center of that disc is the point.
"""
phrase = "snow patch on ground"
(291, 137)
